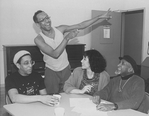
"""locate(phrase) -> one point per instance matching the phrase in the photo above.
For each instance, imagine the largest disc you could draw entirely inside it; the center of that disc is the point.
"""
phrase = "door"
(126, 33)
(109, 45)
(132, 30)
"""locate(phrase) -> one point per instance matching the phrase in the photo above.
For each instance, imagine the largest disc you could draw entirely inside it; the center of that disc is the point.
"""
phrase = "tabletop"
(39, 109)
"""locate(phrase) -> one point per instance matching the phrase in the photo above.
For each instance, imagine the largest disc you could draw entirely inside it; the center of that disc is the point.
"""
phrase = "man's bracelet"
(116, 106)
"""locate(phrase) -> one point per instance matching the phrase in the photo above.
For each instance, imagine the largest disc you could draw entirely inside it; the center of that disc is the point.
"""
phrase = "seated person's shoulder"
(78, 69)
(138, 79)
(10, 81)
(105, 73)
(12, 75)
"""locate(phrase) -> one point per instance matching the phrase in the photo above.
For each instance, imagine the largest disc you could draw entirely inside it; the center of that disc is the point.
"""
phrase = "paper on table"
(94, 114)
(86, 107)
(89, 112)
(105, 102)
(84, 102)
(81, 102)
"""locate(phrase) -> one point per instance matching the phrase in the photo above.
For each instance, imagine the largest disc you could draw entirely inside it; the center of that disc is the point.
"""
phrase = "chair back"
(147, 95)
(8, 101)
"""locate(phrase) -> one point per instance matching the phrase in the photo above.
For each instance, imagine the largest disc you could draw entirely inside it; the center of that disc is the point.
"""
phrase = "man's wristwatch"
(116, 106)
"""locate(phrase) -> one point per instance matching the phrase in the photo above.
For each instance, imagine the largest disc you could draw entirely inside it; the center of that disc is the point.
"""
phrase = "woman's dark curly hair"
(96, 60)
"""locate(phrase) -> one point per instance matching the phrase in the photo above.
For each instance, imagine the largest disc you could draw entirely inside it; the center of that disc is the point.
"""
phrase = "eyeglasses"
(29, 63)
(44, 19)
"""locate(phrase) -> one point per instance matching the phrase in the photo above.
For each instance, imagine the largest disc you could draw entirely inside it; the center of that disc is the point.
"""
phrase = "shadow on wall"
(37, 30)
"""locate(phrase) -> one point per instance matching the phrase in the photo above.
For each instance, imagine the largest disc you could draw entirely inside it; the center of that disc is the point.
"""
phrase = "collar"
(127, 76)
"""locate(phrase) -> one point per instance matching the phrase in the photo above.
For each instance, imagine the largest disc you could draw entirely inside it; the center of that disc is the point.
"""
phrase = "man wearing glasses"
(52, 43)
(24, 85)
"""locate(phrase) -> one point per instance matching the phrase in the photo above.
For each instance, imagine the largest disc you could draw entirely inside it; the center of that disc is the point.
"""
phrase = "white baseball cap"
(18, 55)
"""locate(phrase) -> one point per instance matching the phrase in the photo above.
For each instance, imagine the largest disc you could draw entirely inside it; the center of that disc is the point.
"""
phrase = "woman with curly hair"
(89, 78)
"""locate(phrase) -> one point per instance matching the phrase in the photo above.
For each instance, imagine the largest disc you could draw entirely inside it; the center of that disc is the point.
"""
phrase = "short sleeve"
(9, 83)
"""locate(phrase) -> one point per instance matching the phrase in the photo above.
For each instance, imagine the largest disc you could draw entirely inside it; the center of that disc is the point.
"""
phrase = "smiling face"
(124, 68)
(44, 21)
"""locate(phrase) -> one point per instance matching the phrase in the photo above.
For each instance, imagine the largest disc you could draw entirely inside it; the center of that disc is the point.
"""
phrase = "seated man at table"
(26, 86)
(125, 91)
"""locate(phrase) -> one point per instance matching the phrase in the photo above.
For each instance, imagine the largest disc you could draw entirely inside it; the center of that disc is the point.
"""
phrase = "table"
(39, 109)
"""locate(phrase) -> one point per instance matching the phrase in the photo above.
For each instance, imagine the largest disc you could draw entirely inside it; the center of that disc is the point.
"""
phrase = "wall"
(16, 25)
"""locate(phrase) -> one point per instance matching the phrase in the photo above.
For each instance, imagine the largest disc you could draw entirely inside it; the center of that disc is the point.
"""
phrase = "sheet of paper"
(94, 114)
(106, 32)
(105, 102)
(81, 102)
(89, 111)
(86, 107)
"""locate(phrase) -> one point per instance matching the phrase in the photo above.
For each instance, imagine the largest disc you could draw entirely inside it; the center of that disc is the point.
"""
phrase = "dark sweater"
(131, 96)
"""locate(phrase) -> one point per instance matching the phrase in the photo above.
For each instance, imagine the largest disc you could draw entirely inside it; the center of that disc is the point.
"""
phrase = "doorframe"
(123, 27)
(123, 33)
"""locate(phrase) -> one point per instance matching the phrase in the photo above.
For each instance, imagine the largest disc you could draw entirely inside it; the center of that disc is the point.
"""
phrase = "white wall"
(16, 24)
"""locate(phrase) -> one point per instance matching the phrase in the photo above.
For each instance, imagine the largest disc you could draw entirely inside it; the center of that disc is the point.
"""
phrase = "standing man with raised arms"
(52, 43)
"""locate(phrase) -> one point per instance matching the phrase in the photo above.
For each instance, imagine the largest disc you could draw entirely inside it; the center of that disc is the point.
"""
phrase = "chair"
(147, 94)
(8, 101)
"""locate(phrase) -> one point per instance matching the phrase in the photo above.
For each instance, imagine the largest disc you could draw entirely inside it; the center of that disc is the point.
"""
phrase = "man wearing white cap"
(24, 85)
